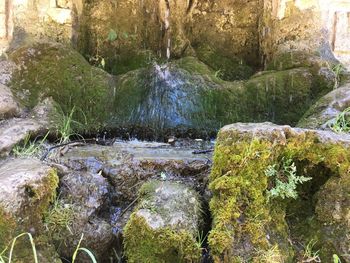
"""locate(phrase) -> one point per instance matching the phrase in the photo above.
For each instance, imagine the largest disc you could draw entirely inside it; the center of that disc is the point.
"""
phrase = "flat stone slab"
(15, 130)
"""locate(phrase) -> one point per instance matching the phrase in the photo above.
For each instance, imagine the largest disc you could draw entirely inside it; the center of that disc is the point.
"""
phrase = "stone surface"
(324, 112)
(27, 187)
(186, 98)
(128, 164)
(15, 130)
(247, 225)
(83, 197)
(165, 224)
(8, 105)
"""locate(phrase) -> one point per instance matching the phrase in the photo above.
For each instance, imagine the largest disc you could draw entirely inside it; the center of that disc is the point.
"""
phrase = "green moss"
(242, 215)
(227, 68)
(53, 70)
(144, 244)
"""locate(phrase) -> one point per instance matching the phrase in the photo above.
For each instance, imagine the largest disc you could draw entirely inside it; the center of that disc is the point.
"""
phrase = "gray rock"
(324, 112)
(128, 164)
(15, 130)
(8, 105)
(82, 200)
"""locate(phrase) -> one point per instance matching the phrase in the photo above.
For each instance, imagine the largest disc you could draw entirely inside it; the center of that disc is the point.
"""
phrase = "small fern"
(285, 180)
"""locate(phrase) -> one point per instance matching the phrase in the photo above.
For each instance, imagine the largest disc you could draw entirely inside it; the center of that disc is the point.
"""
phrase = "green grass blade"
(31, 242)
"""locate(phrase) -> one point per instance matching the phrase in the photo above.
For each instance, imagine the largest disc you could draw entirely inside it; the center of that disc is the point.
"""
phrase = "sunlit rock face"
(253, 32)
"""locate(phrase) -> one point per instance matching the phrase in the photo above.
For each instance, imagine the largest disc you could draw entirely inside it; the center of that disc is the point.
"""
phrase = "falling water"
(167, 27)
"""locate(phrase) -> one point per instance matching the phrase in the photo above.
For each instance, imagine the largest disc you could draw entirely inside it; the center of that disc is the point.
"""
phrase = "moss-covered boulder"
(27, 187)
(165, 225)
(57, 71)
(323, 114)
(274, 188)
(187, 97)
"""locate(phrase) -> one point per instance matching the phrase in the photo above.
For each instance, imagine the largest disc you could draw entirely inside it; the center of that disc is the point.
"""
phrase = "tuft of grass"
(67, 126)
(309, 254)
(2, 257)
(341, 122)
(59, 217)
(29, 148)
(83, 249)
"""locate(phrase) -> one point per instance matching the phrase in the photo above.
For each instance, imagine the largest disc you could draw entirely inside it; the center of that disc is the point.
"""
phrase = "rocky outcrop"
(127, 165)
(165, 224)
(255, 169)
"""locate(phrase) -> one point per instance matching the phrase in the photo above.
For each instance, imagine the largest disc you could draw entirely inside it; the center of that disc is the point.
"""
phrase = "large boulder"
(276, 187)
(185, 97)
(27, 187)
(54, 70)
(165, 224)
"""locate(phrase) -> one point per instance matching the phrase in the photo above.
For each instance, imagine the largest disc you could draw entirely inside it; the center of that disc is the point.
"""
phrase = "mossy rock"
(165, 225)
(227, 68)
(57, 71)
(186, 97)
(247, 225)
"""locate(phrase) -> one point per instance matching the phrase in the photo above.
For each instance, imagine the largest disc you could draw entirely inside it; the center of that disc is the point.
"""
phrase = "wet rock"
(15, 130)
(247, 223)
(8, 105)
(186, 98)
(323, 113)
(129, 164)
(165, 224)
(27, 187)
(82, 200)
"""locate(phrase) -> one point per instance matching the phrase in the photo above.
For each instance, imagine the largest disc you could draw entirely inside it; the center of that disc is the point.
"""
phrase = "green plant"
(88, 252)
(336, 259)
(29, 148)
(74, 257)
(201, 239)
(67, 126)
(337, 69)
(59, 217)
(341, 122)
(284, 179)
(271, 255)
(2, 257)
(309, 254)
